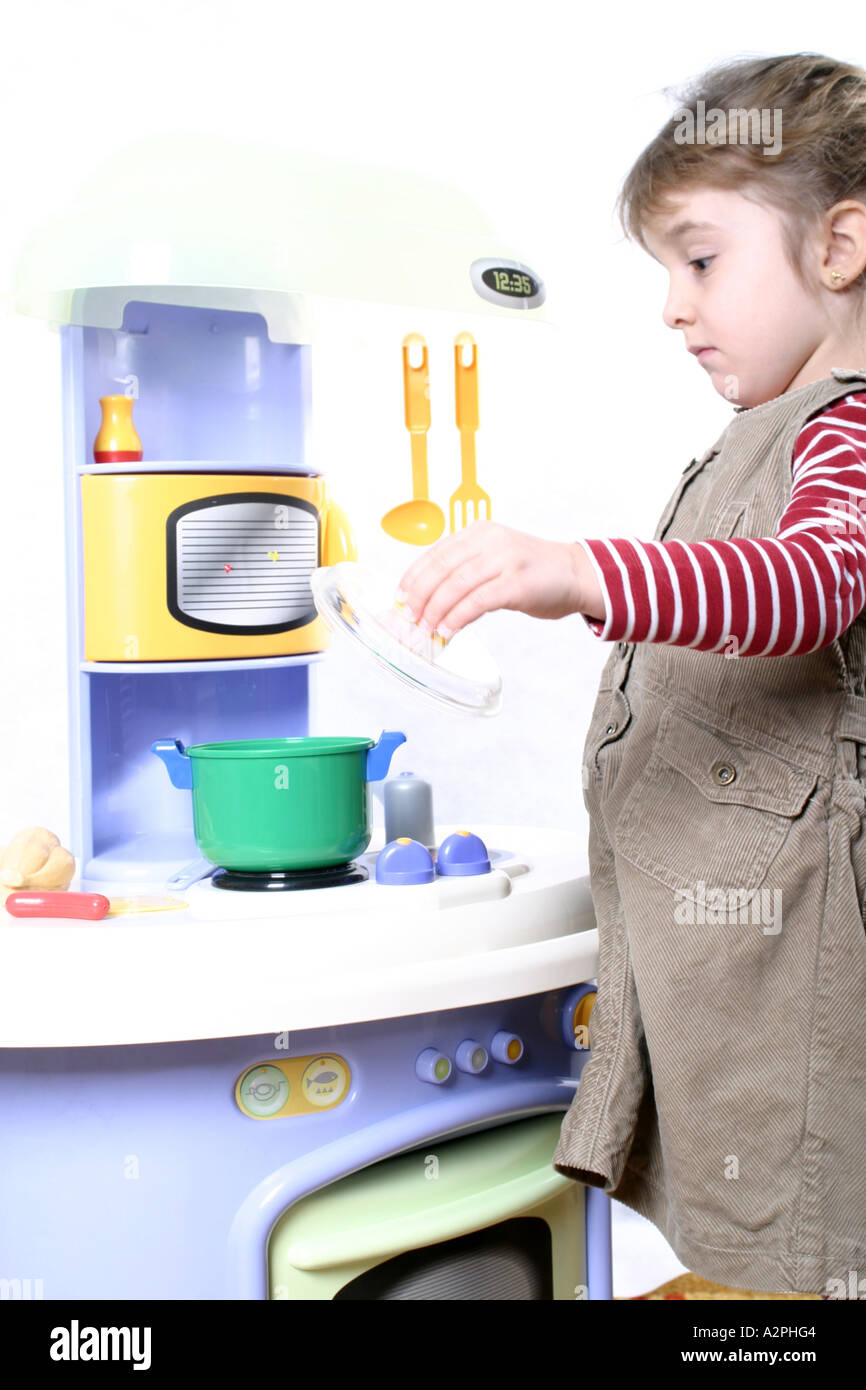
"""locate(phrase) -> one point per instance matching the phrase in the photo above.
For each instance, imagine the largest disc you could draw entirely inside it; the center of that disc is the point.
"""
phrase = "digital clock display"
(513, 282)
(510, 284)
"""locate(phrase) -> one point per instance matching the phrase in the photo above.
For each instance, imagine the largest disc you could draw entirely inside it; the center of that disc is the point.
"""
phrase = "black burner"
(280, 880)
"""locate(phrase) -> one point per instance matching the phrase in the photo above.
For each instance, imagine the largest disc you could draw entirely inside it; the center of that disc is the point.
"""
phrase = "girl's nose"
(677, 311)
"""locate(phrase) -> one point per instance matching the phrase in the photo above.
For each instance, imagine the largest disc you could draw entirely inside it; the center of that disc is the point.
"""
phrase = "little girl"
(725, 764)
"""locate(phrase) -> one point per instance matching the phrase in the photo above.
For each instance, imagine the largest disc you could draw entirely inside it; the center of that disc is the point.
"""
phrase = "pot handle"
(177, 761)
(379, 756)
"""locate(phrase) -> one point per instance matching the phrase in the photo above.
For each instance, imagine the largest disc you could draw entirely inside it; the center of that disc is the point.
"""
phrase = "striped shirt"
(778, 595)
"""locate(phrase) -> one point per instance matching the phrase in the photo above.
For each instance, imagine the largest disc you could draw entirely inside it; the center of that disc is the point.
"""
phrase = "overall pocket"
(610, 717)
(852, 794)
(709, 807)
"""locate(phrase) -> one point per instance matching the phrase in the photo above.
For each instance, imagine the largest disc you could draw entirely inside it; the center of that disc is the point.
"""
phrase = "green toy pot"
(280, 803)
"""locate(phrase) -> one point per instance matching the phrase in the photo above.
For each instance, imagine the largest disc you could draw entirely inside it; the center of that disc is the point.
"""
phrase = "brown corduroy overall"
(724, 1097)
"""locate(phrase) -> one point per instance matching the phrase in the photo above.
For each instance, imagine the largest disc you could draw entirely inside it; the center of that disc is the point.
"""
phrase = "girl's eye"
(702, 262)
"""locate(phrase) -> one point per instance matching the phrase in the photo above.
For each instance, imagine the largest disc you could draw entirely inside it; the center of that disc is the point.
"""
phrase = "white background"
(536, 112)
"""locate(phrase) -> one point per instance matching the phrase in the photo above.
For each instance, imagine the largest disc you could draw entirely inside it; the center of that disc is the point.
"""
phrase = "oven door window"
(241, 562)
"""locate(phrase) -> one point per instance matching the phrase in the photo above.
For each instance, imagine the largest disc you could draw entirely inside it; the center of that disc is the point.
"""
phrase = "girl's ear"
(843, 243)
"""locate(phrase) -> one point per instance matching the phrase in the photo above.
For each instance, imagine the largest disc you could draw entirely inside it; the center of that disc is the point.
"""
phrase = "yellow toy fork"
(469, 494)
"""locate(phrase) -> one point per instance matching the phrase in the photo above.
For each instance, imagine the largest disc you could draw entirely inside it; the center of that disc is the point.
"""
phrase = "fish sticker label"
(294, 1086)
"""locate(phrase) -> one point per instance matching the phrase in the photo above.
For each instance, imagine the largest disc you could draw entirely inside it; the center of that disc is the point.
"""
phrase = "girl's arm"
(769, 596)
(790, 593)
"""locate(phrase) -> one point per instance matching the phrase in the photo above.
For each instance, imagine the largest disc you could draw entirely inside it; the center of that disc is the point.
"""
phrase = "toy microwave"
(188, 566)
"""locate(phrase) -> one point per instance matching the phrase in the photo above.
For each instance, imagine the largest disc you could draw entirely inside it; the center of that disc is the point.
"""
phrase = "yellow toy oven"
(187, 566)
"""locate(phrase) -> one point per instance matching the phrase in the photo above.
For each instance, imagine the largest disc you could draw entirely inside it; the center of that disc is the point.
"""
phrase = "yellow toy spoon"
(419, 522)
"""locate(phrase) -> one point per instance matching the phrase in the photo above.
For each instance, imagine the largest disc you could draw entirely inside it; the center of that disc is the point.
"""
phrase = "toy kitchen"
(254, 1044)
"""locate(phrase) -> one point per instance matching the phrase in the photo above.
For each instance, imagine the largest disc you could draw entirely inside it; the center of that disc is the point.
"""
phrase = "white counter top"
(238, 964)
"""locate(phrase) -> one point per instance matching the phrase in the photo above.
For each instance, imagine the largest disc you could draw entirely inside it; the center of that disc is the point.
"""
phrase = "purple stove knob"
(462, 854)
(471, 1057)
(433, 1066)
(404, 861)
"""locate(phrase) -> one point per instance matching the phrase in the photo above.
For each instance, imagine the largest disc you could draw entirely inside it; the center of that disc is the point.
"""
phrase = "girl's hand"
(486, 566)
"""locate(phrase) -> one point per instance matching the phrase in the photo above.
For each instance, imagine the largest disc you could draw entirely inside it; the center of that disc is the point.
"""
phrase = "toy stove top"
(294, 880)
(231, 963)
(225, 893)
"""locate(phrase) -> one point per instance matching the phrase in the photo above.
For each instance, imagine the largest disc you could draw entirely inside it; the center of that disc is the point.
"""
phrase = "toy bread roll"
(35, 858)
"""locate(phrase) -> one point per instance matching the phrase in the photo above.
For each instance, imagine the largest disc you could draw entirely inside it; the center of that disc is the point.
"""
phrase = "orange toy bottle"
(117, 440)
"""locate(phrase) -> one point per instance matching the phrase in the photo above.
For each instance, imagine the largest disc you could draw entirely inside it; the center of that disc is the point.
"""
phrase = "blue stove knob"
(471, 1057)
(404, 861)
(462, 854)
(433, 1066)
(506, 1047)
(574, 1016)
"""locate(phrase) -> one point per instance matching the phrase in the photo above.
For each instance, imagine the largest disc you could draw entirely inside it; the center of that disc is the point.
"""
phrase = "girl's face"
(733, 289)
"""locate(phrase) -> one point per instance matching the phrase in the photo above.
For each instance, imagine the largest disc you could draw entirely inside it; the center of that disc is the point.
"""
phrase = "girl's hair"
(820, 105)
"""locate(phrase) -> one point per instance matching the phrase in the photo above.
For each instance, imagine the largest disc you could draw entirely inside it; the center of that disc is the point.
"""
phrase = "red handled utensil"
(87, 907)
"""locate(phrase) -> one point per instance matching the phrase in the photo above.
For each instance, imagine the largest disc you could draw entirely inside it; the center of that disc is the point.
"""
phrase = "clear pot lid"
(460, 673)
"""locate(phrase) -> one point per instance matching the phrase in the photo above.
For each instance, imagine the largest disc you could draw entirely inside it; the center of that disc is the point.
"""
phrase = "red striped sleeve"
(780, 595)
